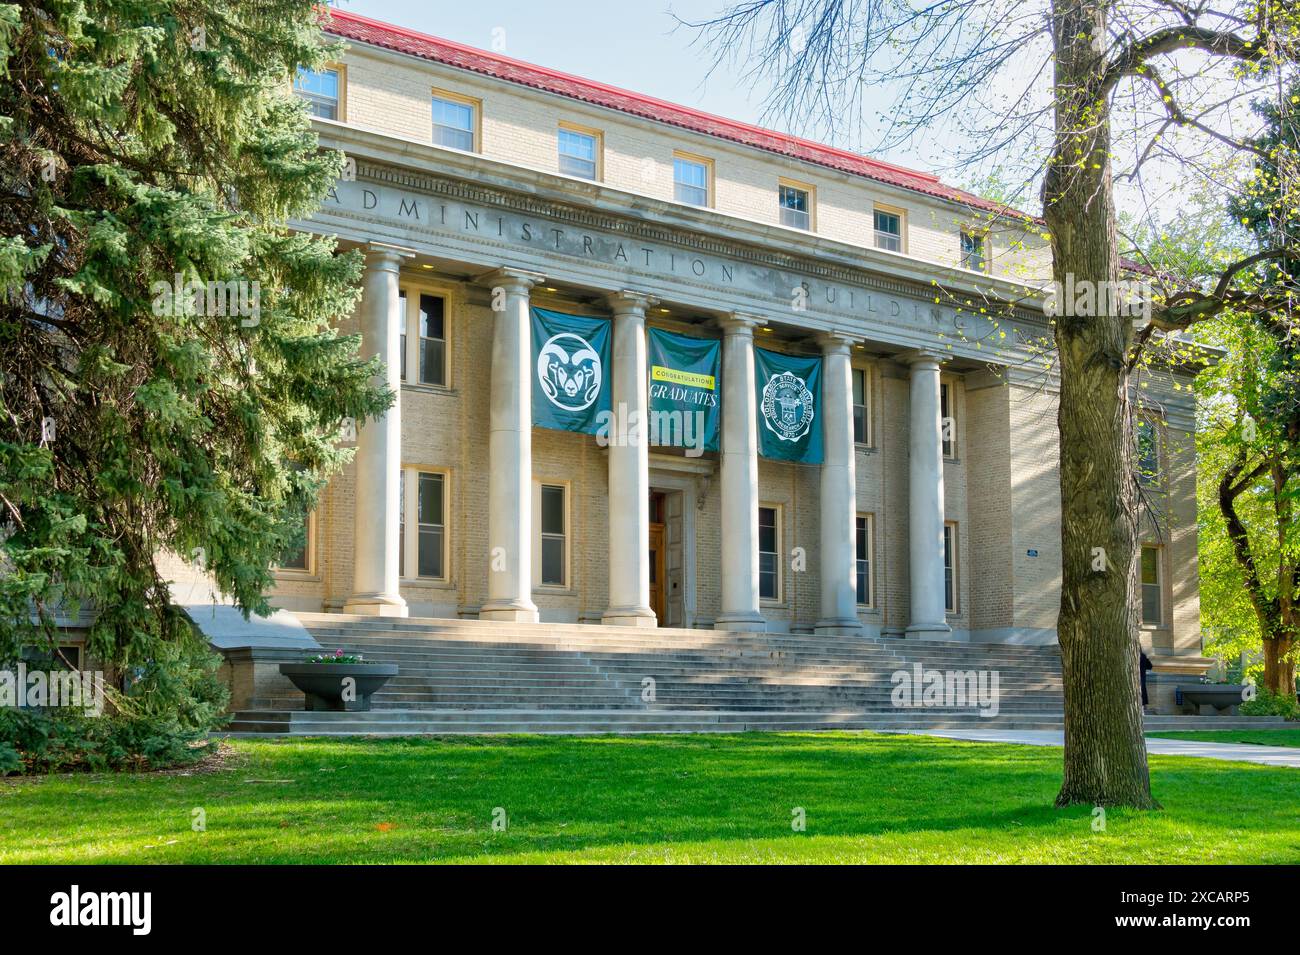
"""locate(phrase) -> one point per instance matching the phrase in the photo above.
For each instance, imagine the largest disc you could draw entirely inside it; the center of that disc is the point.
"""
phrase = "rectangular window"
(691, 181)
(433, 340)
(299, 558)
(861, 434)
(796, 206)
(950, 568)
(1148, 452)
(455, 122)
(889, 231)
(972, 251)
(579, 153)
(862, 569)
(321, 89)
(947, 420)
(769, 553)
(430, 507)
(1152, 596)
(554, 563)
(401, 298)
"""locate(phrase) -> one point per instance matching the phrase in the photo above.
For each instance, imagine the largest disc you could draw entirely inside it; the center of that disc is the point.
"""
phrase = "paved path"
(1238, 752)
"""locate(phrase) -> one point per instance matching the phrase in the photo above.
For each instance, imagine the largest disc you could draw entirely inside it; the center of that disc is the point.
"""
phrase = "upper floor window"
(861, 417)
(424, 330)
(972, 251)
(947, 420)
(691, 180)
(796, 206)
(455, 122)
(579, 152)
(889, 231)
(1148, 452)
(1152, 592)
(769, 553)
(321, 89)
(862, 567)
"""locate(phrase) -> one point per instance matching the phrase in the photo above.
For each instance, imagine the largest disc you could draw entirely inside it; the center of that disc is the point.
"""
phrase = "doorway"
(667, 563)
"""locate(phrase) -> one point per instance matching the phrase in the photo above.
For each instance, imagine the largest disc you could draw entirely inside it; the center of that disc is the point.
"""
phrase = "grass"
(867, 798)
(1254, 737)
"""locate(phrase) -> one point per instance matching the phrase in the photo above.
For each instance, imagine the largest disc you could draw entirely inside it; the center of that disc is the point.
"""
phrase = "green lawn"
(1255, 737)
(867, 798)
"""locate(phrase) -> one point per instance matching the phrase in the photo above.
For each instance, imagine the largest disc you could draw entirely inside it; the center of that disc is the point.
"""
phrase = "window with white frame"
(1148, 452)
(553, 525)
(321, 89)
(423, 494)
(862, 566)
(769, 553)
(950, 567)
(972, 251)
(948, 420)
(889, 230)
(691, 180)
(455, 122)
(424, 331)
(861, 406)
(1152, 586)
(796, 205)
(579, 152)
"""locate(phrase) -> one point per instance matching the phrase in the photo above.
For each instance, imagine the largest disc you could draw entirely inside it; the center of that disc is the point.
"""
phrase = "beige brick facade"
(463, 214)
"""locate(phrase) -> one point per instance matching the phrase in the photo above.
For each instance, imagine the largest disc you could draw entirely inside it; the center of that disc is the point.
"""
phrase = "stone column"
(739, 488)
(629, 468)
(925, 499)
(375, 587)
(510, 451)
(839, 492)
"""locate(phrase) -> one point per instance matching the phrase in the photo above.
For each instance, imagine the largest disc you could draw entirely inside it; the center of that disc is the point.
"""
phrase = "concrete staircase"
(486, 677)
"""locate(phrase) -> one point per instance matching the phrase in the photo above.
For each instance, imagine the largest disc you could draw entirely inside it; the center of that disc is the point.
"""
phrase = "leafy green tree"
(146, 145)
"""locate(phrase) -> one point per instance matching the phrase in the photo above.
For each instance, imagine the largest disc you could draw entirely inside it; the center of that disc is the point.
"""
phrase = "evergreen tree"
(146, 145)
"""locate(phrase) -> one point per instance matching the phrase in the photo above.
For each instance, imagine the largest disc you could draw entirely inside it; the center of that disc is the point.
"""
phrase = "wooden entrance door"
(657, 570)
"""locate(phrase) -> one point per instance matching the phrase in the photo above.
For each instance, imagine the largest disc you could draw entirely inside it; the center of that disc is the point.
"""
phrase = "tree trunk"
(1105, 755)
(1279, 668)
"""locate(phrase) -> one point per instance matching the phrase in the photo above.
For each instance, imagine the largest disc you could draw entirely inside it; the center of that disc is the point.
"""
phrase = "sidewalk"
(1237, 752)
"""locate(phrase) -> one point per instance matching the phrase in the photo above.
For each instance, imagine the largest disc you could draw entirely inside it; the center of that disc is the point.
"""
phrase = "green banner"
(685, 391)
(571, 355)
(789, 396)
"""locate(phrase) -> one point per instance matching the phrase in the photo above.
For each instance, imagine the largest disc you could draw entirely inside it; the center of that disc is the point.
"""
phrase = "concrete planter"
(1211, 698)
(326, 683)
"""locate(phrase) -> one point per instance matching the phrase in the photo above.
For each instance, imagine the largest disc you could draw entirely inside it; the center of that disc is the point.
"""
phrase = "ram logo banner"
(789, 405)
(571, 355)
(685, 390)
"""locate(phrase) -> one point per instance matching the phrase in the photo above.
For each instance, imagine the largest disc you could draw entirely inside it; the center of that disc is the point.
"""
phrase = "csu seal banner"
(571, 365)
(685, 390)
(789, 406)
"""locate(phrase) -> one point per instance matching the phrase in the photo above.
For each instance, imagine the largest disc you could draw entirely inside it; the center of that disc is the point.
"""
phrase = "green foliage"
(143, 145)
(1271, 704)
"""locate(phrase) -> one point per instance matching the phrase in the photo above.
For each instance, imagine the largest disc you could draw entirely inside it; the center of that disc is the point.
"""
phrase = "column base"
(629, 617)
(510, 611)
(376, 605)
(929, 631)
(741, 622)
(839, 627)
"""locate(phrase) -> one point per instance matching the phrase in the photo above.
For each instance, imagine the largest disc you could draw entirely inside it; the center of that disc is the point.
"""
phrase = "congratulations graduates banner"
(789, 404)
(571, 358)
(685, 390)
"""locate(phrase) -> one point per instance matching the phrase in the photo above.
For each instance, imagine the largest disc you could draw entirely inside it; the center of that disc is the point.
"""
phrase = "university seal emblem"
(569, 371)
(787, 406)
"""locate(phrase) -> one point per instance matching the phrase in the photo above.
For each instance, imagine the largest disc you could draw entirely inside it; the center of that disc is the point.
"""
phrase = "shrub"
(1268, 703)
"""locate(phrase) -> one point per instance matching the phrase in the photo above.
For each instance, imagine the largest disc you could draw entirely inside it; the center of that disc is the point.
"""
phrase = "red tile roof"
(351, 26)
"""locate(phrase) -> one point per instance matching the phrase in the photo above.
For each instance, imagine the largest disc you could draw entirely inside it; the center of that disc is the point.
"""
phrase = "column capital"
(921, 357)
(630, 302)
(388, 258)
(512, 280)
(740, 323)
(836, 343)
